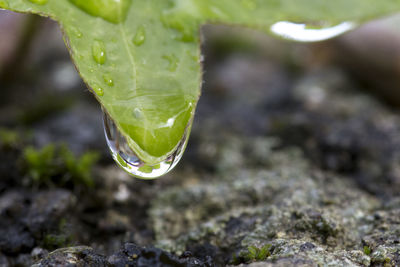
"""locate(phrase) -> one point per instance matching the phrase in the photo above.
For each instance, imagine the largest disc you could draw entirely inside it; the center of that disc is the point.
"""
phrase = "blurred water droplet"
(137, 113)
(130, 162)
(98, 90)
(303, 33)
(39, 2)
(108, 80)
(140, 36)
(99, 52)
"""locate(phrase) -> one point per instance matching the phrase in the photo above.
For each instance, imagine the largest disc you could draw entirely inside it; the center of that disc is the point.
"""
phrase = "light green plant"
(253, 254)
(53, 165)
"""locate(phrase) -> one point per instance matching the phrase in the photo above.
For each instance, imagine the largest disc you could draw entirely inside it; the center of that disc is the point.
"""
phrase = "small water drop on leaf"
(140, 36)
(98, 90)
(108, 80)
(137, 113)
(99, 52)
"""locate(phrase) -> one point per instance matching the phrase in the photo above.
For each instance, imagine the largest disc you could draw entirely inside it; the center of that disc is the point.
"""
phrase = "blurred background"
(294, 157)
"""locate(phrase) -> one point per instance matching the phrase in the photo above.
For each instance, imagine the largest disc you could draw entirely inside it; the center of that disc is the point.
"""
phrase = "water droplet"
(137, 113)
(39, 2)
(114, 11)
(99, 52)
(173, 62)
(76, 32)
(108, 80)
(140, 36)
(4, 4)
(130, 162)
(300, 32)
(98, 90)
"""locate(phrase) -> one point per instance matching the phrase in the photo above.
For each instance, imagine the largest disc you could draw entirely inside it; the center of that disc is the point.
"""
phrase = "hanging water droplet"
(99, 52)
(130, 162)
(39, 2)
(173, 62)
(98, 90)
(4, 4)
(114, 11)
(108, 80)
(140, 36)
(300, 32)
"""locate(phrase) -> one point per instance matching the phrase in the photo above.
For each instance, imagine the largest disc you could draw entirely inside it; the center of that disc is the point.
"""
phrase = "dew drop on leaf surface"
(99, 52)
(108, 80)
(98, 90)
(140, 36)
(137, 113)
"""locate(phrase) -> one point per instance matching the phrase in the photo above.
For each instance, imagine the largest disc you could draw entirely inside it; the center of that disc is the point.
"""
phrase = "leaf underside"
(141, 58)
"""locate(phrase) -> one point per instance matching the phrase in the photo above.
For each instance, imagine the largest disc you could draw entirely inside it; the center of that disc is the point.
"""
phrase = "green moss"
(367, 250)
(41, 165)
(79, 168)
(53, 165)
(54, 241)
(9, 137)
(252, 254)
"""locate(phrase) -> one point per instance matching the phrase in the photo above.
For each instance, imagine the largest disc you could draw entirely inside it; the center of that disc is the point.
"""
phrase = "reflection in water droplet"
(39, 2)
(128, 160)
(98, 90)
(299, 32)
(99, 52)
(108, 80)
(140, 36)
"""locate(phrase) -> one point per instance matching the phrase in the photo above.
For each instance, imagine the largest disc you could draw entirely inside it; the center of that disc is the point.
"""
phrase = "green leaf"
(141, 58)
